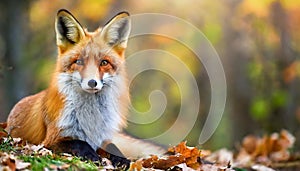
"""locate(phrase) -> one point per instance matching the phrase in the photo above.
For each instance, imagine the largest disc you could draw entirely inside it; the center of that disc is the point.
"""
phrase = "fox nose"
(92, 83)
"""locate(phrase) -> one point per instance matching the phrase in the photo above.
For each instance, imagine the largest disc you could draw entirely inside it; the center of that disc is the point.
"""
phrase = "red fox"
(88, 95)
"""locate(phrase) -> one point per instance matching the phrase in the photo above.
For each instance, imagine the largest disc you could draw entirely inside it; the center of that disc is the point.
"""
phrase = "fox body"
(88, 95)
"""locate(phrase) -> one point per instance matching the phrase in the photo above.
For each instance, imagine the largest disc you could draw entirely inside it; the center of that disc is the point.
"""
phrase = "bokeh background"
(257, 41)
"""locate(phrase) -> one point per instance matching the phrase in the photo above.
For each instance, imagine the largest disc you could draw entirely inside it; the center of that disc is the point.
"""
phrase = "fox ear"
(116, 31)
(68, 30)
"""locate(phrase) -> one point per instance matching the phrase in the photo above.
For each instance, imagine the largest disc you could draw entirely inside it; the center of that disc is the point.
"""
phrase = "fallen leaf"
(191, 154)
(222, 156)
(3, 125)
(259, 167)
(10, 162)
(21, 165)
(266, 149)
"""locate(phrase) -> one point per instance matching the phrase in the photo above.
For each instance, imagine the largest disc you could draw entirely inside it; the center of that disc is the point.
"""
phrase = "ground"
(267, 153)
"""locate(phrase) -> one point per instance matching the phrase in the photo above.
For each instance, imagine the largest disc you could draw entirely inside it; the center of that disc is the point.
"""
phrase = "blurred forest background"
(257, 41)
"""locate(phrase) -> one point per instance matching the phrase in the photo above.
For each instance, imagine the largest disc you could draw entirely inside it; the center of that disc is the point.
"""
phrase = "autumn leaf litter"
(256, 153)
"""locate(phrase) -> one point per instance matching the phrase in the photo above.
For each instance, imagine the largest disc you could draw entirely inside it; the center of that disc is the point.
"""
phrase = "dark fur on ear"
(68, 30)
(116, 31)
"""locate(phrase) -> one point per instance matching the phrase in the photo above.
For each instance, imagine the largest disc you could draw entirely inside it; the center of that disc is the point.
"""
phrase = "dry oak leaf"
(162, 163)
(178, 155)
(274, 147)
(191, 154)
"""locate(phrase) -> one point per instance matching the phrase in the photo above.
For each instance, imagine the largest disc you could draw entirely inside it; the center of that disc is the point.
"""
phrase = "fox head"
(90, 60)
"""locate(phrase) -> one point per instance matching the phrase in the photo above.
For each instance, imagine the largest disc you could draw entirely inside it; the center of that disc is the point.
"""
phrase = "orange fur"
(34, 117)
(27, 122)
(74, 105)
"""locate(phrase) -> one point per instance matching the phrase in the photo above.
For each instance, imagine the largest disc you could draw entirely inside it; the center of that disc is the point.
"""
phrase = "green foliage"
(40, 162)
(7, 144)
(260, 109)
(239, 169)
(213, 32)
(255, 70)
(49, 161)
(263, 106)
(279, 98)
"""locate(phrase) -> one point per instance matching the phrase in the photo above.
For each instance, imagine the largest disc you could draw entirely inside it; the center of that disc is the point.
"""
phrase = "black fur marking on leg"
(76, 147)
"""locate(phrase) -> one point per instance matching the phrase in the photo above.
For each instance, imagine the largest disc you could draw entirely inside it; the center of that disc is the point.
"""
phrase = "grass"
(58, 163)
(6, 144)
(40, 162)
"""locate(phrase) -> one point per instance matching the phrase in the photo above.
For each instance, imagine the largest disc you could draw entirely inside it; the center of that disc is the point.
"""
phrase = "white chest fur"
(89, 117)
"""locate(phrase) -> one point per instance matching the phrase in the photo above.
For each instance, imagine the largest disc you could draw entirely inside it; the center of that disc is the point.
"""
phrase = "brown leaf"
(10, 162)
(274, 147)
(3, 133)
(249, 143)
(291, 72)
(191, 154)
(178, 154)
(138, 165)
(3, 125)
(163, 163)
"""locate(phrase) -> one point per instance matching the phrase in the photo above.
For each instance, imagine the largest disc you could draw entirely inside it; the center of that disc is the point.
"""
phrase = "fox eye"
(104, 63)
(79, 62)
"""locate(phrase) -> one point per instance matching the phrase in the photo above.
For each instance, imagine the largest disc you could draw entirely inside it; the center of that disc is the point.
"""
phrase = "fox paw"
(119, 162)
(112, 153)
